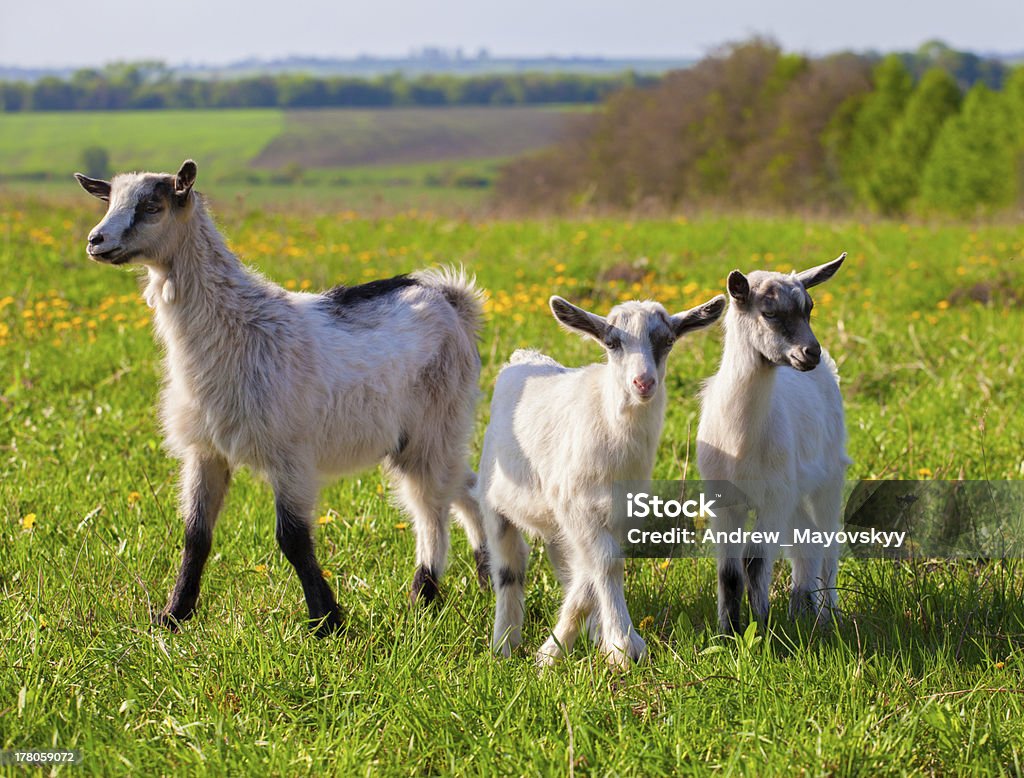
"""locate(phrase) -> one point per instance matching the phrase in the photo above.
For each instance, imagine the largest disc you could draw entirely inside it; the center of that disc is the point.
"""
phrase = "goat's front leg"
(619, 639)
(296, 542)
(579, 599)
(204, 482)
(730, 569)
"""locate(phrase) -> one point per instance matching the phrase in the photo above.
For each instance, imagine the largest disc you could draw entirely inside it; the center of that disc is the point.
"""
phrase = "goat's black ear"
(94, 186)
(701, 316)
(576, 319)
(738, 286)
(184, 180)
(821, 273)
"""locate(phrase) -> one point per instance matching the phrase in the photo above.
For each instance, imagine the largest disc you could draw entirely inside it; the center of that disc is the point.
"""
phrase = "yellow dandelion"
(327, 574)
(664, 565)
(925, 472)
(133, 498)
(942, 305)
(260, 569)
(325, 519)
(1000, 665)
(646, 621)
(380, 489)
(402, 525)
(28, 521)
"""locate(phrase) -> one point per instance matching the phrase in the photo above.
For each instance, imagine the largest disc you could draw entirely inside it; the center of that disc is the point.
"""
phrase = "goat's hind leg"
(468, 512)
(425, 489)
(827, 505)
(509, 557)
(204, 482)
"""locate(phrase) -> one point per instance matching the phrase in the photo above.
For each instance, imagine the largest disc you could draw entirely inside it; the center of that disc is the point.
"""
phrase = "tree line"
(754, 126)
(152, 86)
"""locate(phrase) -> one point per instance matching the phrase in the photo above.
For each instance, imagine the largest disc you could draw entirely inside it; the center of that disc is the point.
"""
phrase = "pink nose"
(643, 385)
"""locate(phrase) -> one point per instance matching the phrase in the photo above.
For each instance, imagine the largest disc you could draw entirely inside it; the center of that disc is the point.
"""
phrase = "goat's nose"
(812, 353)
(644, 383)
(95, 238)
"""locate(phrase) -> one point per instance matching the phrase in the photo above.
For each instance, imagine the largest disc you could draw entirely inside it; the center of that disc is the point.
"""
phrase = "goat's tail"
(461, 292)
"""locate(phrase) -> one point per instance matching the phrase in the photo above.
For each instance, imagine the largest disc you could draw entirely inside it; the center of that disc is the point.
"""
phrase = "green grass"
(924, 677)
(51, 144)
(337, 158)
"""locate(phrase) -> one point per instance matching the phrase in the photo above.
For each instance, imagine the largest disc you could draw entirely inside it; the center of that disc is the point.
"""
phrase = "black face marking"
(147, 209)
(612, 340)
(341, 299)
(661, 343)
(424, 586)
(509, 577)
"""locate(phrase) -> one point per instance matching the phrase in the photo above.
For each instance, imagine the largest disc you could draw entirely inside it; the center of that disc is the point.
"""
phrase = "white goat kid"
(298, 386)
(558, 439)
(772, 426)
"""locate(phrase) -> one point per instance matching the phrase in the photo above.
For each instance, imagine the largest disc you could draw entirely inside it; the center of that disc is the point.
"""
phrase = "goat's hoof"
(483, 568)
(548, 655)
(167, 620)
(424, 586)
(328, 625)
(637, 648)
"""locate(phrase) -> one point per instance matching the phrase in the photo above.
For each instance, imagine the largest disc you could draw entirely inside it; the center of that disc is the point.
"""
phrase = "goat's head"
(143, 215)
(638, 337)
(773, 312)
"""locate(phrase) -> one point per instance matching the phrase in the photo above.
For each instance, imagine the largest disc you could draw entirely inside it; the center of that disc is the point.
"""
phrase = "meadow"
(925, 676)
(401, 157)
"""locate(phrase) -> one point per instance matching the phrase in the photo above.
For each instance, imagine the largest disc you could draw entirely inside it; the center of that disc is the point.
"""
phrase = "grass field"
(404, 156)
(926, 676)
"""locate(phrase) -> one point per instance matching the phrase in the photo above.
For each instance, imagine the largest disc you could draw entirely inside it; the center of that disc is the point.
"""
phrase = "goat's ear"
(696, 318)
(577, 319)
(821, 273)
(94, 186)
(738, 286)
(184, 180)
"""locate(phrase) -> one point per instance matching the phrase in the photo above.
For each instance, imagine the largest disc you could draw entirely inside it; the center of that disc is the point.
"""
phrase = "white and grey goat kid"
(299, 387)
(772, 426)
(558, 440)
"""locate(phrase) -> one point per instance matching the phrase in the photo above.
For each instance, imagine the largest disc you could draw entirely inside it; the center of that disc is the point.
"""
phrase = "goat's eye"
(152, 208)
(613, 343)
(770, 315)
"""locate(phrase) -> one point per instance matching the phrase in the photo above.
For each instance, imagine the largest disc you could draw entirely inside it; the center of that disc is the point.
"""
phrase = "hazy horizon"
(213, 33)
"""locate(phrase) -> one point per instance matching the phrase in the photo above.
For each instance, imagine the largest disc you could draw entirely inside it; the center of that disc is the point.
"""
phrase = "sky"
(59, 33)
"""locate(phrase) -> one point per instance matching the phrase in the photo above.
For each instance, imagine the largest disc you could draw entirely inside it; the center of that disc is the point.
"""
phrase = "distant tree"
(52, 94)
(96, 162)
(896, 175)
(965, 67)
(972, 165)
(787, 164)
(872, 123)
